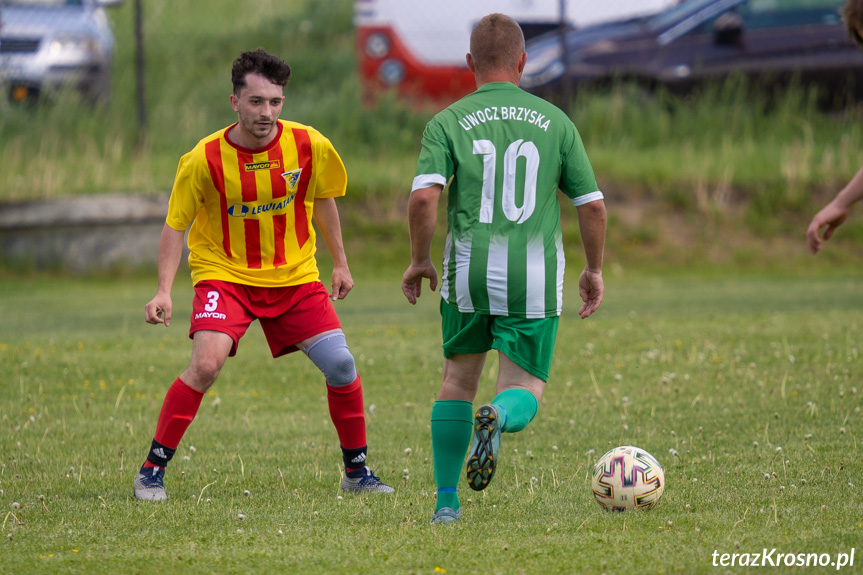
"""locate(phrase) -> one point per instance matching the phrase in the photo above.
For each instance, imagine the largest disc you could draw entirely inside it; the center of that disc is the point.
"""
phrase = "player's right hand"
(591, 288)
(158, 310)
(412, 280)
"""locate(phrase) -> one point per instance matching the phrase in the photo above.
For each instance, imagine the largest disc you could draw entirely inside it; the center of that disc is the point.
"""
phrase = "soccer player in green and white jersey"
(508, 153)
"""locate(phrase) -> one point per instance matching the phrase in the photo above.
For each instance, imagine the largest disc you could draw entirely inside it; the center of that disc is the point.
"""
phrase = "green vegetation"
(745, 388)
(189, 50)
(726, 152)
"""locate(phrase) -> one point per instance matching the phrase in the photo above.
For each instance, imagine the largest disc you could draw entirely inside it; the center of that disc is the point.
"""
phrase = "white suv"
(46, 45)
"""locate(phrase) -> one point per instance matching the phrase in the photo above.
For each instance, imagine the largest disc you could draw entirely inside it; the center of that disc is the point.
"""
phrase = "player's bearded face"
(258, 107)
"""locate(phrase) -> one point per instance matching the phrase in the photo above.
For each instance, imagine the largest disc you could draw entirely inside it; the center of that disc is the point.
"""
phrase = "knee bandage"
(332, 356)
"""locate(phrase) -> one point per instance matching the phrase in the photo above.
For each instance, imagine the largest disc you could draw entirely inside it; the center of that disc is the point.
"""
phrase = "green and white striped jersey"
(508, 152)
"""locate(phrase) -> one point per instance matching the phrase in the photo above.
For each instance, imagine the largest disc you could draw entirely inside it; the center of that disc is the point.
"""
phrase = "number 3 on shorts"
(212, 301)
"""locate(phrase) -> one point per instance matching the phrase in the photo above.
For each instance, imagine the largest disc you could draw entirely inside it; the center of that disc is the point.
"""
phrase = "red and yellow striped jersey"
(251, 210)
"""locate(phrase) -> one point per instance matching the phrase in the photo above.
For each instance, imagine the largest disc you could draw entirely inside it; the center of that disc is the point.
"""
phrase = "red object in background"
(387, 65)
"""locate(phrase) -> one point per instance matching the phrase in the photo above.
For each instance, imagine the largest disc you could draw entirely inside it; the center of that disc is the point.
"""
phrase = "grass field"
(746, 388)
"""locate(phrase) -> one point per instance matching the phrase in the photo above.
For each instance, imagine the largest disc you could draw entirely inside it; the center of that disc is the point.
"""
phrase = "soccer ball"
(627, 478)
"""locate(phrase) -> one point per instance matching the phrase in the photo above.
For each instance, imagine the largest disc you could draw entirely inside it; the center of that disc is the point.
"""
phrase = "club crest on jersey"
(257, 166)
(293, 177)
(238, 210)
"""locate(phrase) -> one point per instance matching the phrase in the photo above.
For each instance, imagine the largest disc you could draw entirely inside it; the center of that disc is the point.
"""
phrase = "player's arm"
(326, 215)
(158, 310)
(422, 220)
(834, 213)
(592, 222)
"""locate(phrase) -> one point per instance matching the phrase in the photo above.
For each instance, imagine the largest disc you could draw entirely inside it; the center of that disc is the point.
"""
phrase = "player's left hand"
(832, 215)
(412, 280)
(343, 283)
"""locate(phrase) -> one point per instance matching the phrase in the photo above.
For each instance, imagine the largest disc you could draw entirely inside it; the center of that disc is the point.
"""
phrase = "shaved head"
(496, 44)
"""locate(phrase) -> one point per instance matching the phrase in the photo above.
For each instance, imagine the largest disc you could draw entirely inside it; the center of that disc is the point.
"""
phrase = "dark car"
(700, 40)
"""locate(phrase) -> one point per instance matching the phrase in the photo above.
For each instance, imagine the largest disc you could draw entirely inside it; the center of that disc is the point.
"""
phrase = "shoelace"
(369, 477)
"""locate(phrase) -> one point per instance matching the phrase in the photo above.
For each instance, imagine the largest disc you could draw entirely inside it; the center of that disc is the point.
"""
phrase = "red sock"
(346, 411)
(178, 410)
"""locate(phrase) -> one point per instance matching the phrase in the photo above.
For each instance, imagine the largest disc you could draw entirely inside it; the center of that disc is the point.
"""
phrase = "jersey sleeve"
(186, 195)
(577, 180)
(435, 164)
(331, 177)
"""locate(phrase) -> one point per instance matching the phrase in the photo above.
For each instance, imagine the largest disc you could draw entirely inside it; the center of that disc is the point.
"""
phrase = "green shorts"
(527, 342)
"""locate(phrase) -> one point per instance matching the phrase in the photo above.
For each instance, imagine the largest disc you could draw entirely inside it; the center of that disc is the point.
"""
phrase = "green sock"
(451, 431)
(519, 407)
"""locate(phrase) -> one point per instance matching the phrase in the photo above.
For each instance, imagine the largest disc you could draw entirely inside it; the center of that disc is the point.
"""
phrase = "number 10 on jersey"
(516, 150)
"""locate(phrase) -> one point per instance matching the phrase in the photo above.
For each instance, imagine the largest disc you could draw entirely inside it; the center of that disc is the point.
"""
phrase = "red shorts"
(288, 315)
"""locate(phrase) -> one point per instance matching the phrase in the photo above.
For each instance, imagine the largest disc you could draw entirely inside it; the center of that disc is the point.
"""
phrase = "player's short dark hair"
(496, 43)
(260, 62)
(853, 16)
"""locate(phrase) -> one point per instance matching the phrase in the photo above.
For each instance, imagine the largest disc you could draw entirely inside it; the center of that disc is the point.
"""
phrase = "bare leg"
(461, 375)
(209, 352)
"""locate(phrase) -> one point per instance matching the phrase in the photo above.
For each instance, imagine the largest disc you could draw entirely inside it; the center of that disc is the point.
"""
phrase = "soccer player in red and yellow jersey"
(247, 194)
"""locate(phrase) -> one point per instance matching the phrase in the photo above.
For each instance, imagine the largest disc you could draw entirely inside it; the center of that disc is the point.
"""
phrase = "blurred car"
(417, 49)
(46, 45)
(770, 41)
